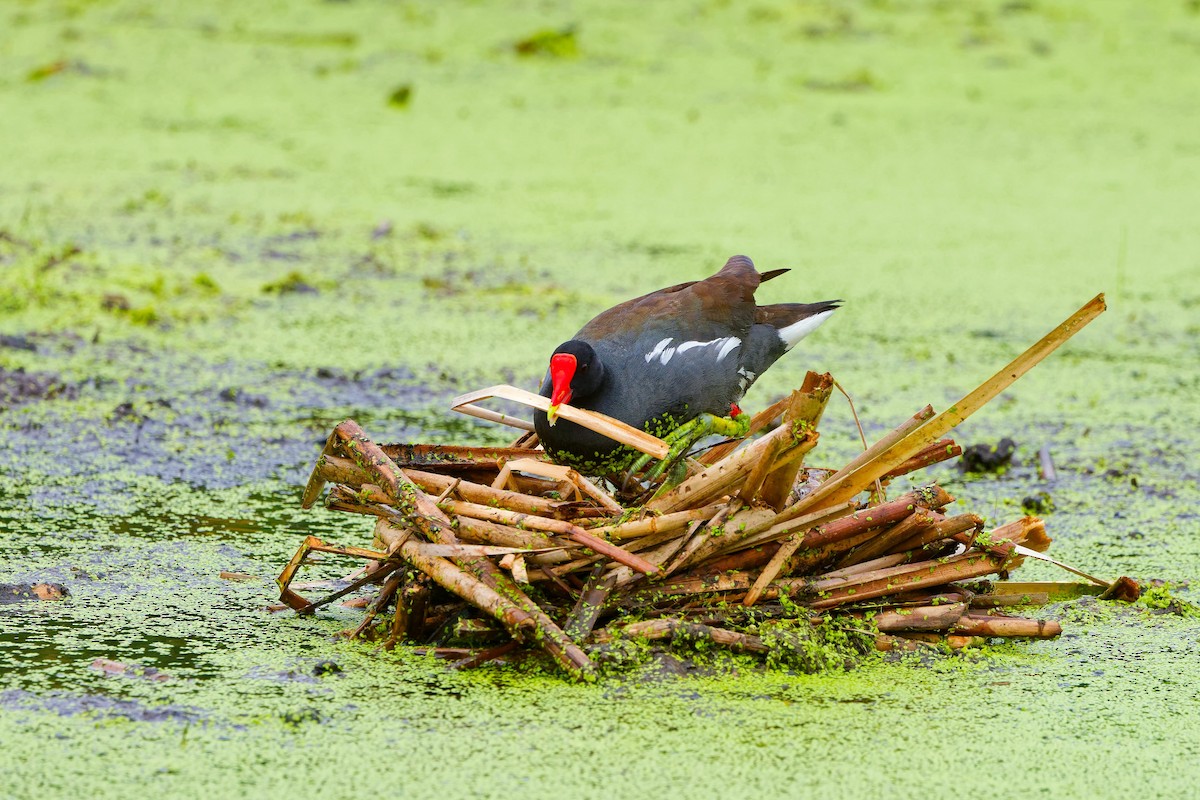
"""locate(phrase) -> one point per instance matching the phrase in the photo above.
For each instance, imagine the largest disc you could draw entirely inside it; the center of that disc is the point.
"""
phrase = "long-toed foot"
(682, 439)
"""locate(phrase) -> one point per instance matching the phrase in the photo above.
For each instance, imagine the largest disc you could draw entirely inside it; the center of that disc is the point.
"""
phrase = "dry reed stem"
(969, 404)
(724, 476)
(944, 529)
(914, 576)
(570, 530)
(886, 540)
(825, 538)
(590, 605)
(451, 458)
(378, 575)
(937, 452)
(767, 532)
(805, 409)
(695, 541)
(759, 471)
(827, 489)
(654, 524)
(380, 602)
(607, 426)
(418, 510)
(921, 618)
(457, 581)
(973, 625)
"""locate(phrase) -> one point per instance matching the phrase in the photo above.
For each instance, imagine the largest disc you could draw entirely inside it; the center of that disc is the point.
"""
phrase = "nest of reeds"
(498, 548)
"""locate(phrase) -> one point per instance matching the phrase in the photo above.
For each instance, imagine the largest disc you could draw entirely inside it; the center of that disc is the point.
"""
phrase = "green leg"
(683, 438)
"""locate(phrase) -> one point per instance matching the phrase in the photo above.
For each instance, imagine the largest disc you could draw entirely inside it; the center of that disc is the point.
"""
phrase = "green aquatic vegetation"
(1163, 598)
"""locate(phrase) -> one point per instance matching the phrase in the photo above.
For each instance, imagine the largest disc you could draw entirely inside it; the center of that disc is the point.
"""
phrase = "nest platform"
(496, 550)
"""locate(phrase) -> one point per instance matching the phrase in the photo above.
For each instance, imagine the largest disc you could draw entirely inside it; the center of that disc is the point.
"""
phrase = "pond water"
(223, 228)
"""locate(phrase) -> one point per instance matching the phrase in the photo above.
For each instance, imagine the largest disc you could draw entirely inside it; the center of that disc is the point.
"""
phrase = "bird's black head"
(575, 373)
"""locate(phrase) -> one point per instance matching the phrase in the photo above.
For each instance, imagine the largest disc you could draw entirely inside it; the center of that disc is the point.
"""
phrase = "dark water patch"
(66, 704)
(18, 387)
(178, 418)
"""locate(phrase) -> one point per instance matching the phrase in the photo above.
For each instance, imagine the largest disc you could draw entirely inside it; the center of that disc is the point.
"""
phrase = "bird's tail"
(794, 321)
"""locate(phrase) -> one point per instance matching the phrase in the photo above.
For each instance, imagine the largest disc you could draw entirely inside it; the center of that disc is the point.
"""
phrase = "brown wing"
(720, 305)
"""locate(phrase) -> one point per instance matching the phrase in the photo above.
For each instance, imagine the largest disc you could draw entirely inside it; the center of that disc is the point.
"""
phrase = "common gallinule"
(662, 360)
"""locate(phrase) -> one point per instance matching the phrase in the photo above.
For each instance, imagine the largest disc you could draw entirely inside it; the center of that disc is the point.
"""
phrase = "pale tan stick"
(596, 493)
(574, 532)
(654, 524)
(607, 426)
(728, 546)
(506, 603)
(468, 550)
(887, 539)
(717, 479)
(882, 514)
(655, 557)
(316, 481)
(478, 493)
(697, 540)
(419, 511)
(558, 472)
(883, 562)
(917, 576)
(725, 475)
(758, 473)
(358, 552)
(819, 497)
(632, 545)
(804, 408)
(450, 458)
(969, 404)
(456, 580)
(284, 581)
(479, 531)
(1002, 600)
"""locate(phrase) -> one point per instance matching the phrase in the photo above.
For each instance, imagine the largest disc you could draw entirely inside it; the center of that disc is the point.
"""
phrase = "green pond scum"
(225, 226)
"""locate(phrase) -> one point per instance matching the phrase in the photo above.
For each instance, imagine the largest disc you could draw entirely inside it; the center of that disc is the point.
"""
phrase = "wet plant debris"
(494, 548)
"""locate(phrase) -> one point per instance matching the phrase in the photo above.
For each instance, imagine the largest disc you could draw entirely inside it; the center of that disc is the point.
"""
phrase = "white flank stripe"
(728, 348)
(685, 346)
(658, 348)
(798, 330)
(664, 353)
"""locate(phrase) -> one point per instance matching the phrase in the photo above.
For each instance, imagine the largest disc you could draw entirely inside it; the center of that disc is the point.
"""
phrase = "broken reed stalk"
(939, 451)
(657, 523)
(723, 476)
(824, 539)
(968, 405)
(421, 513)
(516, 617)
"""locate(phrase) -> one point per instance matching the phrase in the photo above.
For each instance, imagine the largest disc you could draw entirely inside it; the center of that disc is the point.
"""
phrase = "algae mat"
(223, 228)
